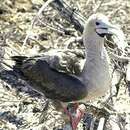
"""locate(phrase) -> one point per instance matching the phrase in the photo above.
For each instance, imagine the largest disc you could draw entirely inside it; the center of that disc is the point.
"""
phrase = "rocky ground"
(21, 108)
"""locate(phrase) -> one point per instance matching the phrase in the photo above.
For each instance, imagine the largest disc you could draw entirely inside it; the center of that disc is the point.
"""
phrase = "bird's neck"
(94, 46)
(97, 60)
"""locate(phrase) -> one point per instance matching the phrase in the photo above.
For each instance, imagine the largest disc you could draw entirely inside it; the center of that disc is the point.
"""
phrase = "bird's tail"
(18, 61)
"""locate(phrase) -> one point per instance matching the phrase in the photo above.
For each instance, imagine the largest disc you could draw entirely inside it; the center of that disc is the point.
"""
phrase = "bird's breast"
(96, 76)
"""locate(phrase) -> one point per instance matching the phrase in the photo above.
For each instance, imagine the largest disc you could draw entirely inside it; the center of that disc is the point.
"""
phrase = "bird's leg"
(80, 110)
(76, 105)
(67, 112)
(78, 116)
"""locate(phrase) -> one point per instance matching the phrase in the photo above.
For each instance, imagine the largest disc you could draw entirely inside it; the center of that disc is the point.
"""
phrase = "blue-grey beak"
(106, 29)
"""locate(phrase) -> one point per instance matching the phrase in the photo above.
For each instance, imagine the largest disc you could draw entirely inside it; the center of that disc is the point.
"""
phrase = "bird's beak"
(106, 28)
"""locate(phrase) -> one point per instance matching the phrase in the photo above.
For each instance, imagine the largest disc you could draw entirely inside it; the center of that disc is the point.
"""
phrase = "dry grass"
(20, 106)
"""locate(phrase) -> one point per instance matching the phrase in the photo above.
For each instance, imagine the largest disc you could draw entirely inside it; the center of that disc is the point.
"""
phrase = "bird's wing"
(67, 61)
(54, 84)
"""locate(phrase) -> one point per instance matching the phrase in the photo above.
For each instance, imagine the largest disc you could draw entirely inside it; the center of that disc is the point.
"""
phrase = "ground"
(21, 107)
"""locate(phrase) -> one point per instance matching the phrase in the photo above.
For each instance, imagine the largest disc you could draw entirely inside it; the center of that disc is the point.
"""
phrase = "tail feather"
(18, 61)
(19, 58)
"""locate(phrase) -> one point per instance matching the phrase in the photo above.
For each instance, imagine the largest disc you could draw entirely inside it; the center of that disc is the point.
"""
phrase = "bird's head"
(99, 24)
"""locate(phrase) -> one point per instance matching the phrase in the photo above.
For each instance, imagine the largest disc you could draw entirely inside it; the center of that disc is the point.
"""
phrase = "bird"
(94, 80)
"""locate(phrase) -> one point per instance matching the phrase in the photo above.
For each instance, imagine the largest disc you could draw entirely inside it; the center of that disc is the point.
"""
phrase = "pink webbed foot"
(80, 110)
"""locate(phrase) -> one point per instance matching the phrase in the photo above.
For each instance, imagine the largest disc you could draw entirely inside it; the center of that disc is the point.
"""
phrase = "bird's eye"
(97, 23)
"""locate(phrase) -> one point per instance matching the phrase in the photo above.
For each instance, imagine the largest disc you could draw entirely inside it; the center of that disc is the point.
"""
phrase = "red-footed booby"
(93, 82)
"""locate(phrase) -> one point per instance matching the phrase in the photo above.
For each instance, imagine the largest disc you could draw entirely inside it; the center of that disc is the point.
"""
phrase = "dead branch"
(101, 124)
(119, 58)
(69, 14)
(128, 72)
